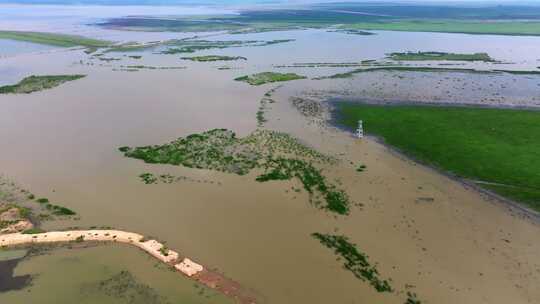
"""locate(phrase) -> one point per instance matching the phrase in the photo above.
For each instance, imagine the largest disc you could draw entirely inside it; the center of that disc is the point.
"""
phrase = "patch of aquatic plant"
(131, 47)
(59, 210)
(209, 58)
(314, 182)
(37, 83)
(435, 56)
(33, 231)
(321, 65)
(148, 178)
(149, 67)
(265, 101)
(406, 69)
(518, 72)
(43, 200)
(108, 59)
(412, 298)
(355, 261)
(192, 45)
(125, 288)
(269, 77)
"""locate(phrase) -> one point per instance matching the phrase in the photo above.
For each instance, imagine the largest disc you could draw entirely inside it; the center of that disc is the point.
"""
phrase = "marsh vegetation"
(278, 155)
(440, 56)
(269, 77)
(209, 58)
(38, 83)
(355, 261)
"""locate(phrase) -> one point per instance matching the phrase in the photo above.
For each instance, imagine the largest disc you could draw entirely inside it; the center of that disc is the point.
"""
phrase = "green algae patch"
(355, 261)
(38, 83)
(278, 155)
(210, 58)
(440, 56)
(269, 77)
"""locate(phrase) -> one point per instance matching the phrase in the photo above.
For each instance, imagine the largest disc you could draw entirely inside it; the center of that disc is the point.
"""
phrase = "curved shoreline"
(183, 265)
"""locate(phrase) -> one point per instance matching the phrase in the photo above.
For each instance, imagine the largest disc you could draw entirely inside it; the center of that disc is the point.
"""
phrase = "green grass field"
(436, 56)
(452, 26)
(268, 77)
(500, 148)
(54, 39)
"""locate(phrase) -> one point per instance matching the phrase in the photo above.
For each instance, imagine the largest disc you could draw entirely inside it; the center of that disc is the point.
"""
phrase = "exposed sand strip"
(158, 250)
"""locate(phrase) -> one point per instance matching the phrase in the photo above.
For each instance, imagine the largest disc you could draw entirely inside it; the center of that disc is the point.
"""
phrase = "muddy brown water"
(62, 144)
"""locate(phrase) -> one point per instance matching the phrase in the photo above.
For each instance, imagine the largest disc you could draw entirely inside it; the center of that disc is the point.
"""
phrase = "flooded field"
(425, 232)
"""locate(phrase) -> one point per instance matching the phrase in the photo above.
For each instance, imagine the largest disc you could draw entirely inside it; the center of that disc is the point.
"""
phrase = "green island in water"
(34, 83)
(209, 58)
(269, 77)
(425, 56)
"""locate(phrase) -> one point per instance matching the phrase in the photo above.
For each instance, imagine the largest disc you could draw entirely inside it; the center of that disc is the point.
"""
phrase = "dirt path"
(156, 249)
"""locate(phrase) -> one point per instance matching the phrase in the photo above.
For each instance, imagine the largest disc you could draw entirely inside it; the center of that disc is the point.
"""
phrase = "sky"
(248, 2)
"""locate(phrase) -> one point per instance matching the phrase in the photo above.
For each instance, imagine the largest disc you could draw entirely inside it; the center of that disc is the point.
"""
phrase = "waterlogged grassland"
(54, 39)
(496, 148)
(269, 77)
(354, 260)
(435, 56)
(210, 58)
(38, 83)
(277, 155)
(531, 28)
(494, 19)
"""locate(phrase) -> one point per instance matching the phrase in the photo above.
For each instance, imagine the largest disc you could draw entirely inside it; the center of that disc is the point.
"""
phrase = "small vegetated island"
(278, 155)
(496, 149)
(269, 77)
(440, 56)
(209, 58)
(38, 83)
(193, 45)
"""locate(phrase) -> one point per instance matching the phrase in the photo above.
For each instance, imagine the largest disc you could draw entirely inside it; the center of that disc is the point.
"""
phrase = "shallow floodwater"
(62, 144)
(11, 47)
(74, 276)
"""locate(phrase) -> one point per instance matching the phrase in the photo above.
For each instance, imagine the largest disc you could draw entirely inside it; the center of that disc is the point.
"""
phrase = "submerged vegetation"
(495, 148)
(208, 58)
(421, 56)
(280, 156)
(268, 77)
(355, 261)
(37, 83)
